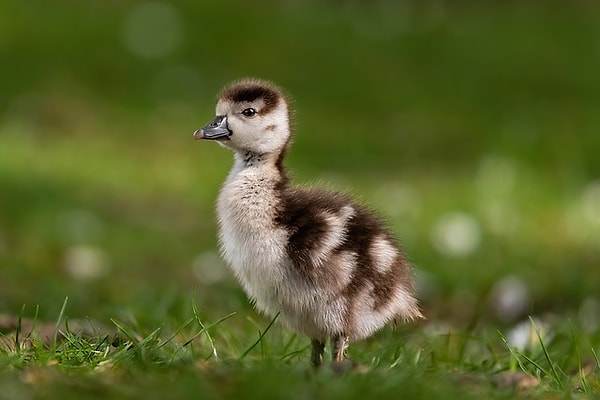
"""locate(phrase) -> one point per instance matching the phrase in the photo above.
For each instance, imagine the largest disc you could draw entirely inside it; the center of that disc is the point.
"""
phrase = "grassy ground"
(473, 129)
(239, 356)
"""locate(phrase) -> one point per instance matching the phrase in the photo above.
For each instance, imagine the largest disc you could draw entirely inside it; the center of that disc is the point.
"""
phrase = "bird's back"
(340, 251)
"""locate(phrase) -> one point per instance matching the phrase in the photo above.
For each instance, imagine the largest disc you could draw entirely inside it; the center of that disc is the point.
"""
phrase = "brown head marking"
(249, 90)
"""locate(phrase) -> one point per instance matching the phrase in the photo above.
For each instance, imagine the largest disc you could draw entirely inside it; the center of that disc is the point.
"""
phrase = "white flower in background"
(524, 335)
(510, 298)
(86, 263)
(456, 234)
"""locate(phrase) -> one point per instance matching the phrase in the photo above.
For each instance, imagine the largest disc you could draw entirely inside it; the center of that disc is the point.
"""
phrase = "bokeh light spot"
(85, 263)
(456, 234)
(510, 298)
(590, 202)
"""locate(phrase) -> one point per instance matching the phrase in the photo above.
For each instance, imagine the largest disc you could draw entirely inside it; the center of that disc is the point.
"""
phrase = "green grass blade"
(97, 348)
(553, 366)
(33, 321)
(290, 343)
(179, 329)
(260, 337)
(207, 327)
(582, 377)
(124, 330)
(516, 355)
(535, 364)
(213, 349)
(61, 315)
(595, 355)
(196, 312)
(18, 330)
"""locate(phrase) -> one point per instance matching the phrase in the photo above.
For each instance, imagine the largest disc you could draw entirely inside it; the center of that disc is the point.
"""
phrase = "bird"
(322, 262)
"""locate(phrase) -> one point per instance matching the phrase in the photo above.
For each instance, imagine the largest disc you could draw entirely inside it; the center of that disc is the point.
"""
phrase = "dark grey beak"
(215, 129)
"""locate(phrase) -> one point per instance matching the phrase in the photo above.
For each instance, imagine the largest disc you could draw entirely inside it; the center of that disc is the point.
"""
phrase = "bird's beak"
(215, 129)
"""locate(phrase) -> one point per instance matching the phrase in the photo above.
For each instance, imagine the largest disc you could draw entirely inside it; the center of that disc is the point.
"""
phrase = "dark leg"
(339, 353)
(316, 355)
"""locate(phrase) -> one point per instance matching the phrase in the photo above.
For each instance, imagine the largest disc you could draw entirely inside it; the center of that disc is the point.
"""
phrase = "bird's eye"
(249, 112)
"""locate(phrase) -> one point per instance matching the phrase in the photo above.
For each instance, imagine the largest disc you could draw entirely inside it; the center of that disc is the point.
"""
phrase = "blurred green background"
(472, 127)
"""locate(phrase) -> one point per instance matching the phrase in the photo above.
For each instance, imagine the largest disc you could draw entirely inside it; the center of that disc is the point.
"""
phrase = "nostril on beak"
(216, 122)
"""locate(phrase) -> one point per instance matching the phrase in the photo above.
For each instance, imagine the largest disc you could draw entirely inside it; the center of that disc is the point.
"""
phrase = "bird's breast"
(251, 242)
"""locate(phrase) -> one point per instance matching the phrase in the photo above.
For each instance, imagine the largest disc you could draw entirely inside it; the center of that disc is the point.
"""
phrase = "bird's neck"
(250, 159)
(270, 164)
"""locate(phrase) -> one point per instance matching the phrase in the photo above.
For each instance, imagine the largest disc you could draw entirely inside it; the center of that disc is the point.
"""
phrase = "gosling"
(326, 264)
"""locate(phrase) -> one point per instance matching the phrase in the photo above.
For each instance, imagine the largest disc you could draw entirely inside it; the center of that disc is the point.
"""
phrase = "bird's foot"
(342, 366)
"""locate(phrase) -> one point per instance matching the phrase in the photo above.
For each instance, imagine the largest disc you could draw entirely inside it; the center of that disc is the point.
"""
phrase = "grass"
(222, 359)
(472, 128)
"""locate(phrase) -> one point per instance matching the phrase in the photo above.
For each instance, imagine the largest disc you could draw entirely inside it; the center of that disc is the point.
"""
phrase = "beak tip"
(198, 134)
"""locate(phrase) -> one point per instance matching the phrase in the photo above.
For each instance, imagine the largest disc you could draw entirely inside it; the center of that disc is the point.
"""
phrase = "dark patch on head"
(252, 90)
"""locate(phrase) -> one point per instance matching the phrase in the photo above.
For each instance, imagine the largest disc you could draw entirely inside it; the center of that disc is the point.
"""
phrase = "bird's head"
(251, 115)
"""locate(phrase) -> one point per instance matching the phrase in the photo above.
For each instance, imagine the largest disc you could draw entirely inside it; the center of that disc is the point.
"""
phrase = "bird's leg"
(339, 348)
(316, 355)
(339, 352)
